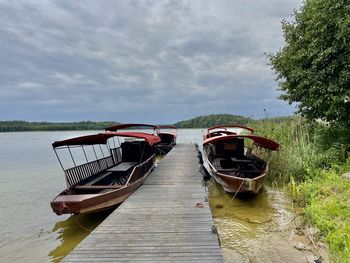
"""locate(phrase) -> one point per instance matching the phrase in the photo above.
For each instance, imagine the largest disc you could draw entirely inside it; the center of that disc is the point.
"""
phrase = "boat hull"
(232, 184)
(66, 203)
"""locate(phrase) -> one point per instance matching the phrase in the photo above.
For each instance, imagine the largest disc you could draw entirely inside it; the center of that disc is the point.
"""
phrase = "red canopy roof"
(231, 126)
(258, 140)
(129, 125)
(101, 138)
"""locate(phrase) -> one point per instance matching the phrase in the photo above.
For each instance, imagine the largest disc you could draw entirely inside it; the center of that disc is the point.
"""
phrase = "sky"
(139, 61)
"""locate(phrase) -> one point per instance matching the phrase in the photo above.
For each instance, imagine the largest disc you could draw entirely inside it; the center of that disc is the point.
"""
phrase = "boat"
(227, 129)
(238, 168)
(167, 138)
(167, 134)
(132, 126)
(103, 173)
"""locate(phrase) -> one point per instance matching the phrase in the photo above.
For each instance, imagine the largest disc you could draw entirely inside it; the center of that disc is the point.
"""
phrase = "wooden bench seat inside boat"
(122, 167)
(247, 161)
(98, 187)
(101, 178)
(74, 198)
(236, 167)
(95, 180)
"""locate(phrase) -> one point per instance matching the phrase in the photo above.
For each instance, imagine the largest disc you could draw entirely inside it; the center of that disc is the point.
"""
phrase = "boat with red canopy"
(237, 166)
(123, 126)
(167, 134)
(101, 173)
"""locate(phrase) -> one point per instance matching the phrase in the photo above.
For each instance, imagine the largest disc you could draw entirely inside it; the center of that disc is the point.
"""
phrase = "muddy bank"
(262, 228)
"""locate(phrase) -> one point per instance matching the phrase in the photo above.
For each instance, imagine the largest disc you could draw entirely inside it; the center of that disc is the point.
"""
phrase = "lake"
(30, 177)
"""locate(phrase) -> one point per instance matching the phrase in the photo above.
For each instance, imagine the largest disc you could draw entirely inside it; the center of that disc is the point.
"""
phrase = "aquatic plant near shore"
(310, 162)
(303, 150)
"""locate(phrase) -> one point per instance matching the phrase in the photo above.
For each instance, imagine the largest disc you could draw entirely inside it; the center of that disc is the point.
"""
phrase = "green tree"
(213, 119)
(313, 68)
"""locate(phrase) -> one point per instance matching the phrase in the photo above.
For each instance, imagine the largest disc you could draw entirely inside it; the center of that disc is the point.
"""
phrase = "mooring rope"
(234, 196)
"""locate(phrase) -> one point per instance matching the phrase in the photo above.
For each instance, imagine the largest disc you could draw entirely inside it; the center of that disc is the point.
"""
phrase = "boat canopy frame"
(225, 126)
(99, 139)
(115, 128)
(257, 141)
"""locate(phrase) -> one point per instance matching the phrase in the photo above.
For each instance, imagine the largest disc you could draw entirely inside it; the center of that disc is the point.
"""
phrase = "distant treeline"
(213, 119)
(197, 122)
(11, 126)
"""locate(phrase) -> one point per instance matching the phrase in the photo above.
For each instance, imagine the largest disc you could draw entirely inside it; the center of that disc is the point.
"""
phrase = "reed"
(309, 163)
(305, 148)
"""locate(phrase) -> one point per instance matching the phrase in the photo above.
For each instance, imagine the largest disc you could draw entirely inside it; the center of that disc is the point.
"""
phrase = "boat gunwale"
(263, 173)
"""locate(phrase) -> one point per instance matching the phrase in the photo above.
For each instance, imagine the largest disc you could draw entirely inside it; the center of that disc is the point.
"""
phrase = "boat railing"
(140, 170)
(81, 172)
(117, 154)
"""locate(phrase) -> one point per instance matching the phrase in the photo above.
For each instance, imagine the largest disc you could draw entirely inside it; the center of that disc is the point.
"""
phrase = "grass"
(311, 161)
(327, 207)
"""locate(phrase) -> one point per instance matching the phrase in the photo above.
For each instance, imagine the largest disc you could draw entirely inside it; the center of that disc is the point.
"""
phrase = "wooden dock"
(166, 220)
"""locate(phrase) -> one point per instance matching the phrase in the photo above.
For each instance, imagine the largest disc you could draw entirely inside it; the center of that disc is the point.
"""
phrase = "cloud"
(151, 61)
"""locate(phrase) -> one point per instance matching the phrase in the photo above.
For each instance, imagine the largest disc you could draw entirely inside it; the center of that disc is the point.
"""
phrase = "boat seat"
(98, 187)
(98, 178)
(122, 167)
(73, 198)
(245, 161)
(217, 163)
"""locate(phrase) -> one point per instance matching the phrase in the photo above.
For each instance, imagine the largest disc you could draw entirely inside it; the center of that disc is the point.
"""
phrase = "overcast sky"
(145, 61)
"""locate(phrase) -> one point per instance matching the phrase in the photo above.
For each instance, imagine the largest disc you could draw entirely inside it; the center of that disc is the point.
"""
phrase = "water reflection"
(72, 231)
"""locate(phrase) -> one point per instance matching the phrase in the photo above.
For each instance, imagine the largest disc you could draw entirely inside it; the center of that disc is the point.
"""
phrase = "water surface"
(30, 177)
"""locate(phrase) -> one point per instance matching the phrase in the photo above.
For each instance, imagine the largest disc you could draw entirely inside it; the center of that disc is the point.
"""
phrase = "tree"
(313, 68)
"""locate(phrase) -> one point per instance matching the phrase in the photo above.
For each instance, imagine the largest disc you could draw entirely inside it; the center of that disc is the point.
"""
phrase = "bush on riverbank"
(311, 160)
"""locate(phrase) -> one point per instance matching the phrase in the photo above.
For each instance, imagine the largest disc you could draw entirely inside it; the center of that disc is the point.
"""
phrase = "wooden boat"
(235, 166)
(133, 126)
(226, 129)
(104, 173)
(167, 138)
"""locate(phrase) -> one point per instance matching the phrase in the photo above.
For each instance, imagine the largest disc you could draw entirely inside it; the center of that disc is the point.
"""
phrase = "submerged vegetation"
(311, 161)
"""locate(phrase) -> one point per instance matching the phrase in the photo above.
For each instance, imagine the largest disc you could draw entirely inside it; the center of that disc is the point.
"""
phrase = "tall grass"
(311, 159)
(305, 148)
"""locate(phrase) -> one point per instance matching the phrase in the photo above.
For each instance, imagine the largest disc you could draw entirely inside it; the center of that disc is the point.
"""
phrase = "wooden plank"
(168, 219)
(100, 177)
(122, 167)
(98, 187)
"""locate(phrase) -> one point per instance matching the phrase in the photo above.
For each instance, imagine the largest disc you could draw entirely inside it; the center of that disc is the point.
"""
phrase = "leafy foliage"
(213, 119)
(313, 68)
(10, 126)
